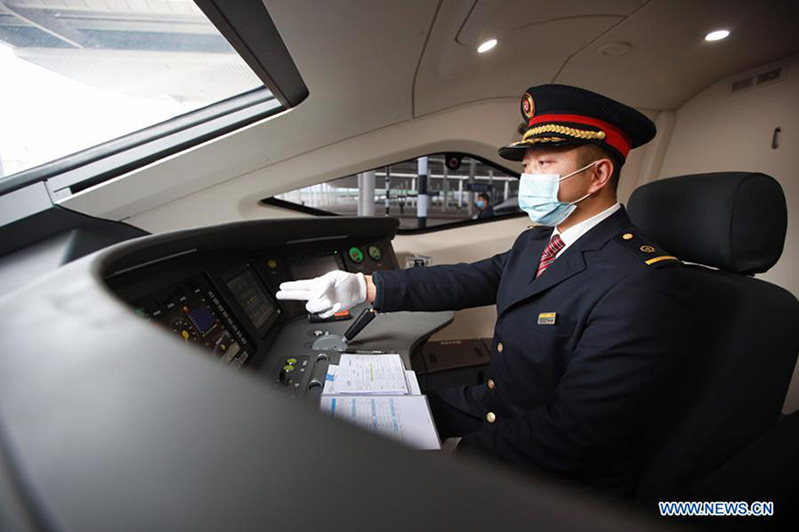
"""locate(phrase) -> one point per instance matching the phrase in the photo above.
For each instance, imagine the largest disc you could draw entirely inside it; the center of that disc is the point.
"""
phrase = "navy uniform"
(579, 352)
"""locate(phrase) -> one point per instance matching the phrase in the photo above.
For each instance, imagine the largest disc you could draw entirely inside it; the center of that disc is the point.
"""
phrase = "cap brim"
(516, 151)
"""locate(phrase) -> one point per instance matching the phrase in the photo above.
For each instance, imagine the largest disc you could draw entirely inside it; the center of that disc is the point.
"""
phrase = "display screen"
(310, 266)
(201, 317)
(251, 295)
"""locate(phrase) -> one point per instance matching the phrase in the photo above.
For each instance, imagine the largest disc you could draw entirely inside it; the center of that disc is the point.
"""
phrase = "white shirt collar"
(573, 233)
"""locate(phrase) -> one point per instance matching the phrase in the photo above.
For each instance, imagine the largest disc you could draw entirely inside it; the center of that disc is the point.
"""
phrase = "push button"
(491, 417)
(500, 347)
(283, 377)
(491, 384)
(291, 361)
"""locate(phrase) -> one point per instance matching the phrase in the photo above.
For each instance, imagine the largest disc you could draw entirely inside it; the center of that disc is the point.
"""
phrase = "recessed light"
(486, 46)
(717, 35)
(615, 49)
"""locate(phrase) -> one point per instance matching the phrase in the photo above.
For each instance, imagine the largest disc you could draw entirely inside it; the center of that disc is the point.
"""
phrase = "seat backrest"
(745, 334)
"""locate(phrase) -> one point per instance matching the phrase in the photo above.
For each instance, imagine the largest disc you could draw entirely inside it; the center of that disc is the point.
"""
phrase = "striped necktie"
(548, 257)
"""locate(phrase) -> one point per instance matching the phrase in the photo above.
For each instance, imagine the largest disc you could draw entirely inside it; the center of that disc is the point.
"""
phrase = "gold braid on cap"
(562, 130)
(537, 140)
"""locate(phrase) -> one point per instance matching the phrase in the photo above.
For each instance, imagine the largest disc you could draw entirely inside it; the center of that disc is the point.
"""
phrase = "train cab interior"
(165, 165)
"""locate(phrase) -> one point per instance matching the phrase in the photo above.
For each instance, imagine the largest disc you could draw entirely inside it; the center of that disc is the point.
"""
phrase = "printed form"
(371, 374)
(332, 372)
(405, 418)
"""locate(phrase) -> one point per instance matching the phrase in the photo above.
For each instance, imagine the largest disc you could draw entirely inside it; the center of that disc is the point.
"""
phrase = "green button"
(288, 369)
(291, 361)
(356, 255)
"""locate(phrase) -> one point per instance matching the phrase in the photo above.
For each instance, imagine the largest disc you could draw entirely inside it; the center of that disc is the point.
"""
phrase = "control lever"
(333, 342)
(363, 319)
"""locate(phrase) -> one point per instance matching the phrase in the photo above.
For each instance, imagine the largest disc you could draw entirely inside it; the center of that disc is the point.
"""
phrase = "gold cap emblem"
(528, 106)
(647, 249)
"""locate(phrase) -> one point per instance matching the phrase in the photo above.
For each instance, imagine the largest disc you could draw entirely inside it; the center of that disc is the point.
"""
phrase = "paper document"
(405, 418)
(332, 373)
(413, 383)
(371, 374)
(330, 380)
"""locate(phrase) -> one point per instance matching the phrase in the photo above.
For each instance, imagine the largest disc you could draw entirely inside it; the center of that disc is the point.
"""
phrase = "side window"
(430, 191)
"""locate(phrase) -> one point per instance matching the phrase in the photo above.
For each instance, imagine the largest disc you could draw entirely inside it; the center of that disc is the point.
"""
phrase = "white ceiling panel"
(670, 61)
(530, 52)
(358, 59)
(497, 19)
(547, 41)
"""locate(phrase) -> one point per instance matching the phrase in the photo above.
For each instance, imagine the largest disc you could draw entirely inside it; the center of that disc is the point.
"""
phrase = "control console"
(219, 294)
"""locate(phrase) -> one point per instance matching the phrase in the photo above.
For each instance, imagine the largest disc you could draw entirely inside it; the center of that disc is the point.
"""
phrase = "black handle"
(363, 319)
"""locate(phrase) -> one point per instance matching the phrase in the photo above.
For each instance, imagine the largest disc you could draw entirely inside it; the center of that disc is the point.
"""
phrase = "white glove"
(328, 294)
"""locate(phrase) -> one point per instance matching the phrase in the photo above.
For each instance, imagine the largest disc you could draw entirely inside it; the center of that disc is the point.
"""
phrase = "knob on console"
(315, 388)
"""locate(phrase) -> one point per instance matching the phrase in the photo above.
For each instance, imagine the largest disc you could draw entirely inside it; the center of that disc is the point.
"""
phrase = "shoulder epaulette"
(536, 229)
(645, 251)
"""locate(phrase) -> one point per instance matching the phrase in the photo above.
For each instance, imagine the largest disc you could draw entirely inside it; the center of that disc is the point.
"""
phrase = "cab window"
(79, 74)
(425, 193)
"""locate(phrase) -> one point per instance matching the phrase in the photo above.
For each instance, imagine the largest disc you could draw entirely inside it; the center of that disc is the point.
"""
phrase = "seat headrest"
(734, 221)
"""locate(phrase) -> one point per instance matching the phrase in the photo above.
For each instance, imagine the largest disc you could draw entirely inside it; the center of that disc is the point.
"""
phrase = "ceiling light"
(717, 35)
(486, 46)
(615, 49)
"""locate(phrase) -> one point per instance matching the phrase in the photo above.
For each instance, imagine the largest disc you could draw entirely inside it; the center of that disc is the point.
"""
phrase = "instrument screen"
(251, 295)
(310, 266)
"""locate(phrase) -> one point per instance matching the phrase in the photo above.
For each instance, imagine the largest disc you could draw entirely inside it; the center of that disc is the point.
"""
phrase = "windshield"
(77, 74)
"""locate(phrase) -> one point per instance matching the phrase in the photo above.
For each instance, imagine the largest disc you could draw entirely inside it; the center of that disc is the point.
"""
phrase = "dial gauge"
(375, 252)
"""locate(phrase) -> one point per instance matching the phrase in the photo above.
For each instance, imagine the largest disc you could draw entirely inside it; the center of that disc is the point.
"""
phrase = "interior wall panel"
(478, 129)
(719, 130)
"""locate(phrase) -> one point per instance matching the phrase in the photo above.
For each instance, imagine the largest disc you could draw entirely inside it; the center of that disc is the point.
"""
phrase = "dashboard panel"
(193, 311)
(223, 300)
(305, 260)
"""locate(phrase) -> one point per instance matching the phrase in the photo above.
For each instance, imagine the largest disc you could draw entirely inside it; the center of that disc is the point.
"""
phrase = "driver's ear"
(601, 176)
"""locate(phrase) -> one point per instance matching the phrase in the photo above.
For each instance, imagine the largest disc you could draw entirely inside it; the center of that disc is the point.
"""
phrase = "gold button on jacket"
(491, 417)
(500, 347)
(491, 384)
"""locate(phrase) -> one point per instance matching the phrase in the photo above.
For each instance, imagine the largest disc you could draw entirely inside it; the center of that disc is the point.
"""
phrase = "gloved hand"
(328, 294)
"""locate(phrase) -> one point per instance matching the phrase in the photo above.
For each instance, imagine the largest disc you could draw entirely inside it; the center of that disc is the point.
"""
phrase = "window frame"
(256, 40)
(283, 204)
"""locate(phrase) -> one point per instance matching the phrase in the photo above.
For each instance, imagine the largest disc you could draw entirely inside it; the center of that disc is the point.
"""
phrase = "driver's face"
(562, 161)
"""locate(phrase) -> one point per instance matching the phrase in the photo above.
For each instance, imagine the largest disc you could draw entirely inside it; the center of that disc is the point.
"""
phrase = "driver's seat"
(726, 226)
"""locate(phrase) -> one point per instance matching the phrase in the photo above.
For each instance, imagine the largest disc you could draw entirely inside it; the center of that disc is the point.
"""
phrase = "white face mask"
(538, 197)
